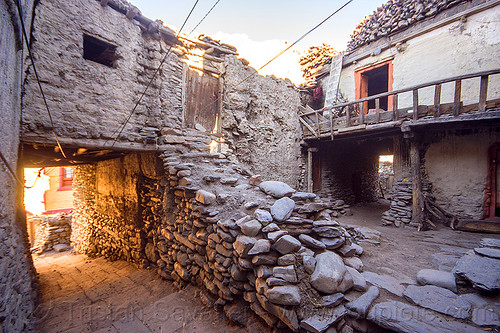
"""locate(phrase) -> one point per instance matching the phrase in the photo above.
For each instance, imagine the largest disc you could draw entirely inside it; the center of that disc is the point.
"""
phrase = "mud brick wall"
(88, 99)
(50, 230)
(260, 122)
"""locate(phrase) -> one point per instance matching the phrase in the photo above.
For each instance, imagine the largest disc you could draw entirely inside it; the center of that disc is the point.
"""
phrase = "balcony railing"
(351, 116)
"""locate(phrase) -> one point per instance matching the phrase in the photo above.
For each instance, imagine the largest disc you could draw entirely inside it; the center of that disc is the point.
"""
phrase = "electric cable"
(204, 17)
(282, 52)
(20, 11)
(122, 127)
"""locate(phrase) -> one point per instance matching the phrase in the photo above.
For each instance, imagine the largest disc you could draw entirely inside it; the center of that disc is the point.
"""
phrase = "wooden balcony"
(351, 117)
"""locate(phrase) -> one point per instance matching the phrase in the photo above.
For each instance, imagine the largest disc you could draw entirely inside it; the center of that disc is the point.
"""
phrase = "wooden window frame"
(361, 83)
(63, 181)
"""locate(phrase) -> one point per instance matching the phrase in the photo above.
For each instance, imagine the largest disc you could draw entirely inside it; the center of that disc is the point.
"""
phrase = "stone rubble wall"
(18, 291)
(260, 123)
(202, 222)
(89, 100)
(52, 232)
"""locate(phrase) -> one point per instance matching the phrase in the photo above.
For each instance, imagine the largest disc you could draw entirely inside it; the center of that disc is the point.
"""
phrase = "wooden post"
(437, 100)
(377, 110)
(415, 104)
(395, 112)
(416, 181)
(483, 92)
(457, 97)
(309, 169)
(361, 113)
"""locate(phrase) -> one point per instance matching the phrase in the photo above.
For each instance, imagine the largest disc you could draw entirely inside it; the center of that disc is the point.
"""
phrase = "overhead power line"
(298, 40)
(122, 127)
(21, 18)
(204, 17)
(281, 53)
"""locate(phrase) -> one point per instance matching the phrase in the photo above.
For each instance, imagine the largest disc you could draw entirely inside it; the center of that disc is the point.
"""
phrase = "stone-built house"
(168, 134)
(420, 81)
(128, 98)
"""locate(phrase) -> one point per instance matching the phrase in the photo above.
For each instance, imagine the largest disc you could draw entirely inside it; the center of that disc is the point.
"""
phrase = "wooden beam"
(416, 182)
(309, 170)
(415, 104)
(457, 97)
(437, 100)
(483, 92)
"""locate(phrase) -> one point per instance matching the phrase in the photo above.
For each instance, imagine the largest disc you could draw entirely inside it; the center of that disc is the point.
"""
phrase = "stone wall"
(89, 100)
(260, 122)
(349, 169)
(18, 292)
(201, 219)
(52, 232)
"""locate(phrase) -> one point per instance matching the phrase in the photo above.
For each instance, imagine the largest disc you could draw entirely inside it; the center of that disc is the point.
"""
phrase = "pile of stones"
(401, 204)
(244, 240)
(52, 232)
(396, 15)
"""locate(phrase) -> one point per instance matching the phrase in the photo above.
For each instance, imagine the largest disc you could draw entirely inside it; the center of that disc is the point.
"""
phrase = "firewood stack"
(395, 15)
(316, 62)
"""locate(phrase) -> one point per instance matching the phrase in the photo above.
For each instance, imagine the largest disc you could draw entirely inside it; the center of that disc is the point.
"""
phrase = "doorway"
(492, 193)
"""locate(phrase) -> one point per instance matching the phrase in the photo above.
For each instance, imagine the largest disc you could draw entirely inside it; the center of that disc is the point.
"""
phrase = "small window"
(98, 51)
(66, 180)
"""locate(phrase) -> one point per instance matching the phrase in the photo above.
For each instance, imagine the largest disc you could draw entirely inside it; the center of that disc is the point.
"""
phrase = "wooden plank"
(457, 97)
(377, 109)
(479, 226)
(437, 100)
(483, 92)
(415, 104)
(308, 127)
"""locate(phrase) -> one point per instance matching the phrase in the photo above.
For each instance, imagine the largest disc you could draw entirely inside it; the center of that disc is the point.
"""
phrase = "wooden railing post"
(348, 116)
(317, 123)
(437, 100)
(415, 104)
(483, 92)
(395, 114)
(457, 97)
(377, 110)
(361, 113)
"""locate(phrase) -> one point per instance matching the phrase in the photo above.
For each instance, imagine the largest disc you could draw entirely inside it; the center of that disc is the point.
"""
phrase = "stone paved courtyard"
(96, 295)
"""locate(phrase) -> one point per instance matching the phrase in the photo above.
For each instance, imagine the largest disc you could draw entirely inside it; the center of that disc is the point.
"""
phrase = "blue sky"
(260, 29)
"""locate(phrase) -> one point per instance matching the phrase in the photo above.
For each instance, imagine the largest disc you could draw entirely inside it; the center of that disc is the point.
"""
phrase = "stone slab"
(402, 317)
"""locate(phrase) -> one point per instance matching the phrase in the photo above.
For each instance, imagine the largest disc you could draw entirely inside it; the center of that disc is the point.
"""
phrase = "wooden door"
(202, 100)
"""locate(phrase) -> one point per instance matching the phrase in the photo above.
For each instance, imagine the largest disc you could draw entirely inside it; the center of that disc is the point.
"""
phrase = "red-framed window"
(65, 179)
(374, 80)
